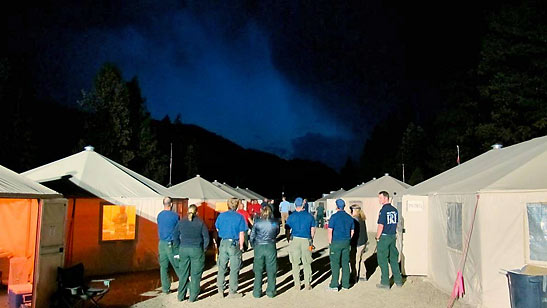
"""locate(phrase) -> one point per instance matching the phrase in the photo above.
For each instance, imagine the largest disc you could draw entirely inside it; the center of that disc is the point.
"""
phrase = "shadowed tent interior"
(27, 207)
(508, 189)
(111, 216)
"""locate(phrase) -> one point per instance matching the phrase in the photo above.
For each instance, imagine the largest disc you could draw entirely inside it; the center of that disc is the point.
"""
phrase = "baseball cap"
(340, 203)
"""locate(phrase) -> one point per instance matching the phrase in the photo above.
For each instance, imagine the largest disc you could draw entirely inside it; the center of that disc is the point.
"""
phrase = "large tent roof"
(13, 185)
(199, 188)
(98, 175)
(518, 167)
(332, 195)
(232, 191)
(371, 188)
(253, 193)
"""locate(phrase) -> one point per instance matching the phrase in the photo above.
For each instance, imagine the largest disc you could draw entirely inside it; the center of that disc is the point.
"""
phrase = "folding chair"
(74, 292)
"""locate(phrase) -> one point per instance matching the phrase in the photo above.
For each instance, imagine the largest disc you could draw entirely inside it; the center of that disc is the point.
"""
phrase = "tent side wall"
(330, 207)
(370, 207)
(99, 258)
(504, 240)
(444, 260)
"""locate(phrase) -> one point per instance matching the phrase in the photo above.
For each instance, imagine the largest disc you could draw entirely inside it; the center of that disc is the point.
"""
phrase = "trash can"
(528, 287)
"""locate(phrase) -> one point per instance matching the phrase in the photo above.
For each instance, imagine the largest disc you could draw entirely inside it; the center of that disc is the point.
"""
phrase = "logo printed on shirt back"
(391, 218)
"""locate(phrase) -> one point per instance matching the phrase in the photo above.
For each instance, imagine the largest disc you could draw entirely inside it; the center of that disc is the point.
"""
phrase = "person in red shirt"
(246, 215)
(253, 208)
(248, 221)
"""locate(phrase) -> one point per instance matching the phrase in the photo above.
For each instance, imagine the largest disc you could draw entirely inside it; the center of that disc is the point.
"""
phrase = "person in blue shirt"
(386, 236)
(192, 237)
(341, 228)
(167, 221)
(231, 228)
(284, 210)
(302, 229)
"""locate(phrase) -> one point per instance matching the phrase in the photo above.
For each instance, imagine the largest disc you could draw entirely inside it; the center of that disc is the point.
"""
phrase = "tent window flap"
(537, 228)
(454, 225)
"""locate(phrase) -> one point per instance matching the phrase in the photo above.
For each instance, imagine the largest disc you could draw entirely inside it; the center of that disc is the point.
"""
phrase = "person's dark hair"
(192, 211)
(384, 193)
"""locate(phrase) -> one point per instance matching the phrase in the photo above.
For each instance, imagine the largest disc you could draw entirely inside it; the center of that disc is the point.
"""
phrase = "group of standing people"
(183, 243)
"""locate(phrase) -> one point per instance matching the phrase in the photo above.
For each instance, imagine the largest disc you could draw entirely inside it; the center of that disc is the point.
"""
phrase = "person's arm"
(216, 239)
(312, 232)
(205, 235)
(379, 232)
(330, 236)
(287, 232)
(351, 233)
(176, 235)
(241, 240)
(252, 236)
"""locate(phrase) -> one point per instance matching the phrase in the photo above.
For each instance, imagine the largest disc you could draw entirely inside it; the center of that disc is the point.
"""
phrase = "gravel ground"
(416, 291)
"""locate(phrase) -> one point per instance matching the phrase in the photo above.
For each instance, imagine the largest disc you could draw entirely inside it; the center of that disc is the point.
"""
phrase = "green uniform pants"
(387, 250)
(299, 250)
(339, 257)
(265, 256)
(228, 252)
(191, 264)
(320, 221)
(167, 254)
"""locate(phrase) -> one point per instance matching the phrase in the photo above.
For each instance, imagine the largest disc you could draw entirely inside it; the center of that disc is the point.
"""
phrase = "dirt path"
(416, 292)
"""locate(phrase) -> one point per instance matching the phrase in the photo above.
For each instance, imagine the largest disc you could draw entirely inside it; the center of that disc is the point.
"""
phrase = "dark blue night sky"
(214, 68)
(293, 79)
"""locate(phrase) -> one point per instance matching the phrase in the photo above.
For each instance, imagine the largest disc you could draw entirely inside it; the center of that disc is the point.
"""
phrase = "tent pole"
(170, 165)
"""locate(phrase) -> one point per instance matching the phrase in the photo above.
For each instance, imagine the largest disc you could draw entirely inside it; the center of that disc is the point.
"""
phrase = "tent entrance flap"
(50, 251)
(18, 221)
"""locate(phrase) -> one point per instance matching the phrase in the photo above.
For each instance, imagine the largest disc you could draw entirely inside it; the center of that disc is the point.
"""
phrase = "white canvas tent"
(32, 225)
(198, 190)
(366, 195)
(201, 192)
(328, 202)
(106, 179)
(232, 191)
(92, 182)
(256, 195)
(508, 186)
